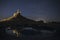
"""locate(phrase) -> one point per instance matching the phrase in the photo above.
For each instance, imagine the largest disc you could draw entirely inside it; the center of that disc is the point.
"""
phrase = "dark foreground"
(36, 36)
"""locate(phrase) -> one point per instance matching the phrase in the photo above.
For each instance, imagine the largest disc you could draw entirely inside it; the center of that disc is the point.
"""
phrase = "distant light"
(12, 32)
(43, 19)
(16, 32)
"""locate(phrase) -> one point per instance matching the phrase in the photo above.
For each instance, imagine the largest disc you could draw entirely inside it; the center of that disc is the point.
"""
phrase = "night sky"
(48, 10)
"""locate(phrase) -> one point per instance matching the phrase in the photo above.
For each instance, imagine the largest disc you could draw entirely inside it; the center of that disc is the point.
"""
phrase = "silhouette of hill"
(17, 21)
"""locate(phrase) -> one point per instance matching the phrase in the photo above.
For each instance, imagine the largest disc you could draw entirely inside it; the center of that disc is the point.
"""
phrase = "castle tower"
(18, 12)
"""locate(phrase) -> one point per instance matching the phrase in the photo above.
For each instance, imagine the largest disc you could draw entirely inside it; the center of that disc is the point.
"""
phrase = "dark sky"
(33, 9)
